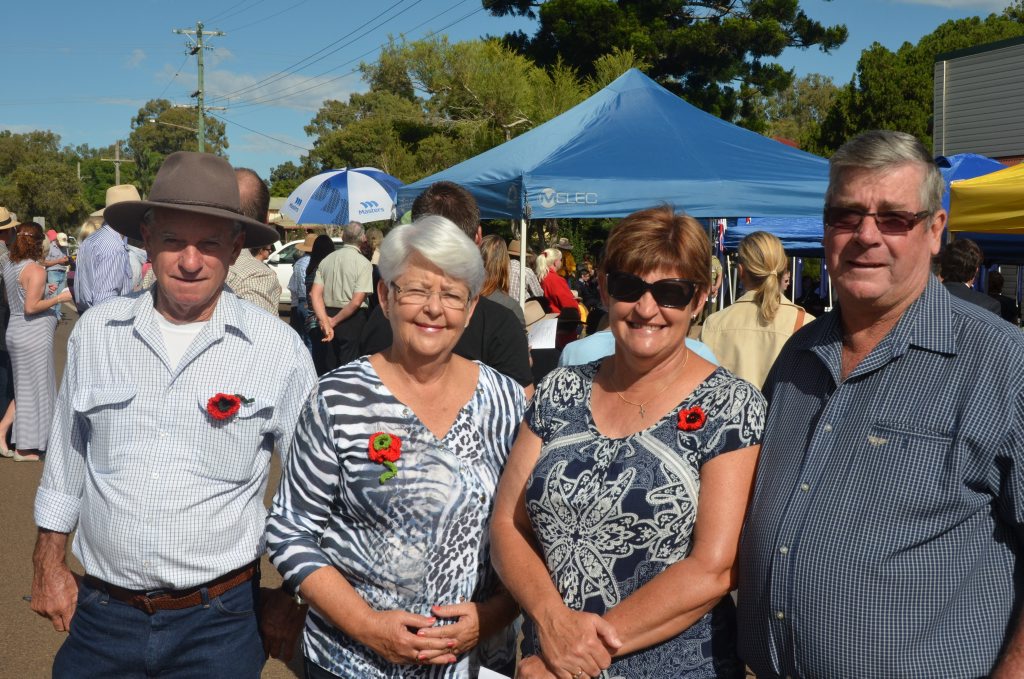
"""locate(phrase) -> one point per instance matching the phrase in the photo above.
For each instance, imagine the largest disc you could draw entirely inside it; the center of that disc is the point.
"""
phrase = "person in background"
(55, 261)
(1008, 307)
(8, 231)
(374, 237)
(618, 516)
(496, 265)
(340, 295)
(959, 262)
(30, 342)
(297, 288)
(567, 268)
(102, 268)
(249, 277)
(533, 288)
(556, 289)
(885, 533)
(381, 521)
(747, 335)
(323, 246)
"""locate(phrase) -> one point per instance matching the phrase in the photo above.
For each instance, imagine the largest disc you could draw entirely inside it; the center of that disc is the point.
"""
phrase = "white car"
(281, 262)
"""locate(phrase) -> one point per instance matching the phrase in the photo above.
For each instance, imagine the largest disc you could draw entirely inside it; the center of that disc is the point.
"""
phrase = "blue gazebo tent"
(634, 145)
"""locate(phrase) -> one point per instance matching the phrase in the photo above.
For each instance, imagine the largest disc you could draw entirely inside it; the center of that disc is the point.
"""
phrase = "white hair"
(545, 260)
(441, 243)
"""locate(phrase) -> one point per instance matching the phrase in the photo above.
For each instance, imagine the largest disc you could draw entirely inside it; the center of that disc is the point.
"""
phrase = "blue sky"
(84, 69)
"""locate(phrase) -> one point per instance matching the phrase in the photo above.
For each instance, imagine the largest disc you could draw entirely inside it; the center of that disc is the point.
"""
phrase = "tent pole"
(521, 293)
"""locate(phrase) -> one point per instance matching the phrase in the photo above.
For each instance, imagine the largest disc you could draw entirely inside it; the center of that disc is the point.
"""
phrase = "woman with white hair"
(381, 521)
(556, 289)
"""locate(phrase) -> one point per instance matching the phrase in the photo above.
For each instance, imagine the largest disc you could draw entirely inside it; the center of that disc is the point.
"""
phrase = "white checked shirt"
(163, 495)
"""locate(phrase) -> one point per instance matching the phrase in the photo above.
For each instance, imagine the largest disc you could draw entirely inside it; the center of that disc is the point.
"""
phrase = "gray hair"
(880, 150)
(440, 242)
(353, 233)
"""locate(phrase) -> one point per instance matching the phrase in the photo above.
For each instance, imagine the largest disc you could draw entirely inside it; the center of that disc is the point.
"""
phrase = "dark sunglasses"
(668, 292)
(888, 221)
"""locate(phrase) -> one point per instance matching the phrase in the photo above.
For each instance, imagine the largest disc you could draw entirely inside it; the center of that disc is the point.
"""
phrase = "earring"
(693, 317)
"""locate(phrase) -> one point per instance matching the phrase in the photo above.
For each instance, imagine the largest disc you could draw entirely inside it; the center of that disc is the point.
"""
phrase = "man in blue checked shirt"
(160, 448)
(102, 267)
(884, 537)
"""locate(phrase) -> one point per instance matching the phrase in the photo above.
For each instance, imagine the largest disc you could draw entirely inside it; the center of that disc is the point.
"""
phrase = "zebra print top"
(419, 539)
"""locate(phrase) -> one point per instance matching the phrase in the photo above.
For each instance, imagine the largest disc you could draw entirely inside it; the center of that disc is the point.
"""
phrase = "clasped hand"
(573, 644)
(405, 638)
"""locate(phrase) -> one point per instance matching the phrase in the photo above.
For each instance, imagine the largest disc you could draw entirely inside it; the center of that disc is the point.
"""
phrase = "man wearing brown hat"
(160, 447)
(532, 285)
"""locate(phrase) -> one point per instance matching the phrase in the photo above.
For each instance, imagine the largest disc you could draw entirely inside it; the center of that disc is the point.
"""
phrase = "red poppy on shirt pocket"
(108, 410)
(229, 448)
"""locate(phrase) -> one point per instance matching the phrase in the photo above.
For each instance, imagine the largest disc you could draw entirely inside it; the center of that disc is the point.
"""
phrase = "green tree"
(38, 178)
(159, 129)
(894, 90)
(715, 54)
(799, 111)
(98, 173)
(285, 178)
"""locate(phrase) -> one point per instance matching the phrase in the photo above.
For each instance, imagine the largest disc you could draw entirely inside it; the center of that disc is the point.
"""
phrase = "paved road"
(28, 642)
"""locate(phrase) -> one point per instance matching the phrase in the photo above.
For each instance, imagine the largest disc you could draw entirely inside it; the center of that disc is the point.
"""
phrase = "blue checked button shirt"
(884, 535)
(162, 495)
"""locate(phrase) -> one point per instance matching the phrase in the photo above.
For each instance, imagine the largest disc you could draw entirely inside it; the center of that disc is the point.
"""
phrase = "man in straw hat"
(161, 444)
(103, 269)
(533, 288)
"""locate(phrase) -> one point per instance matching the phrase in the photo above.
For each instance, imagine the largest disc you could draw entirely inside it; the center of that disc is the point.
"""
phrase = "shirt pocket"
(232, 448)
(107, 408)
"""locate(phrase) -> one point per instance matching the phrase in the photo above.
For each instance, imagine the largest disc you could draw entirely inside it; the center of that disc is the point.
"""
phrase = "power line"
(290, 93)
(280, 141)
(244, 9)
(267, 18)
(225, 11)
(294, 67)
(168, 85)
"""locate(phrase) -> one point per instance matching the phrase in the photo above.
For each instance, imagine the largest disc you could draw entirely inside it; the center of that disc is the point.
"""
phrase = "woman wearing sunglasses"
(618, 516)
(748, 335)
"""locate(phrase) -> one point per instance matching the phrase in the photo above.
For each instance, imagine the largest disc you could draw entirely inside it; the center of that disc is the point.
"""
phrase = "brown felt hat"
(200, 183)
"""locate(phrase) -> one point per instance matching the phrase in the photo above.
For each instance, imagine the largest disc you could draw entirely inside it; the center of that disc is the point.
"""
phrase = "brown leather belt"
(172, 600)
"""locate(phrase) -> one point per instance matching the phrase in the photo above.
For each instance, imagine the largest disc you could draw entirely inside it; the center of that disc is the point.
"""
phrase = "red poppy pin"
(692, 419)
(224, 406)
(385, 449)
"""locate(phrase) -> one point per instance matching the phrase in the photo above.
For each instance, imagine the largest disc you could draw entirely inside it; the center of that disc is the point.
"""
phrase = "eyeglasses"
(417, 296)
(668, 292)
(888, 221)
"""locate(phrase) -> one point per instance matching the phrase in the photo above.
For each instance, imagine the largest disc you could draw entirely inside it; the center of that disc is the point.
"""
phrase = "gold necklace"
(643, 406)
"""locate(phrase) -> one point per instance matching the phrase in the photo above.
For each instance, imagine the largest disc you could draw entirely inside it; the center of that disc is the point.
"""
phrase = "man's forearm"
(50, 551)
(1011, 665)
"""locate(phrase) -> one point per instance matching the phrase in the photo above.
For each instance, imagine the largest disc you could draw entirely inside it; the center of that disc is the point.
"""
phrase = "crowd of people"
(855, 480)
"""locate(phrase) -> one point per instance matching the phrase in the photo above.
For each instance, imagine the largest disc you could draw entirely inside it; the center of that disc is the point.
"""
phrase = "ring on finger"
(579, 673)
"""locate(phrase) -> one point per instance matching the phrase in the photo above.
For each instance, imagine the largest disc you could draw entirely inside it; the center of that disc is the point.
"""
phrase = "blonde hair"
(764, 261)
(546, 260)
(90, 226)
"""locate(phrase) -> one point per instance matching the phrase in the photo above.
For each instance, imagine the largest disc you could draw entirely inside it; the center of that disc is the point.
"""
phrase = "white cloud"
(136, 58)
(297, 91)
(992, 5)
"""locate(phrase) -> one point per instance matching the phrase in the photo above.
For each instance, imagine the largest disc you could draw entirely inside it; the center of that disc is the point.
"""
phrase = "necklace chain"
(643, 406)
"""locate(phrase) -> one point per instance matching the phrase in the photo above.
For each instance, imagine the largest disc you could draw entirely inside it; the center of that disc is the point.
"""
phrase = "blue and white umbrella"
(363, 194)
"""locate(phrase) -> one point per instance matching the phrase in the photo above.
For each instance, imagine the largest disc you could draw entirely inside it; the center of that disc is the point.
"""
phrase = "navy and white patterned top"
(884, 536)
(418, 540)
(612, 513)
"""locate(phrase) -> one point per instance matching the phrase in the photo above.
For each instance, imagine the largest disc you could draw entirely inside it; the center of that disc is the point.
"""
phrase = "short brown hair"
(659, 239)
(449, 200)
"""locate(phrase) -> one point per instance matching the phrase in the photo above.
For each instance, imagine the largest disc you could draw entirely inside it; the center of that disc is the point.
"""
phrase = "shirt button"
(145, 564)
(779, 615)
(783, 549)
(163, 434)
(155, 476)
(805, 487)
(827, 427)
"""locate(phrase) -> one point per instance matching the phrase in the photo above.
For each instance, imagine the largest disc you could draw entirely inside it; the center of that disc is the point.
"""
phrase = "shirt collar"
(927, 323)
(228, 314)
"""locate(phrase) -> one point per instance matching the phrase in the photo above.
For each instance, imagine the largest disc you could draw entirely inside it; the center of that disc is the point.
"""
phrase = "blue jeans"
(108, 638)
(58, 278)
(300, 313)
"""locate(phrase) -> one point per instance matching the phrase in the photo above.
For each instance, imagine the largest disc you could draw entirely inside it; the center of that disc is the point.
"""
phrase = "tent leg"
(521, 293)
